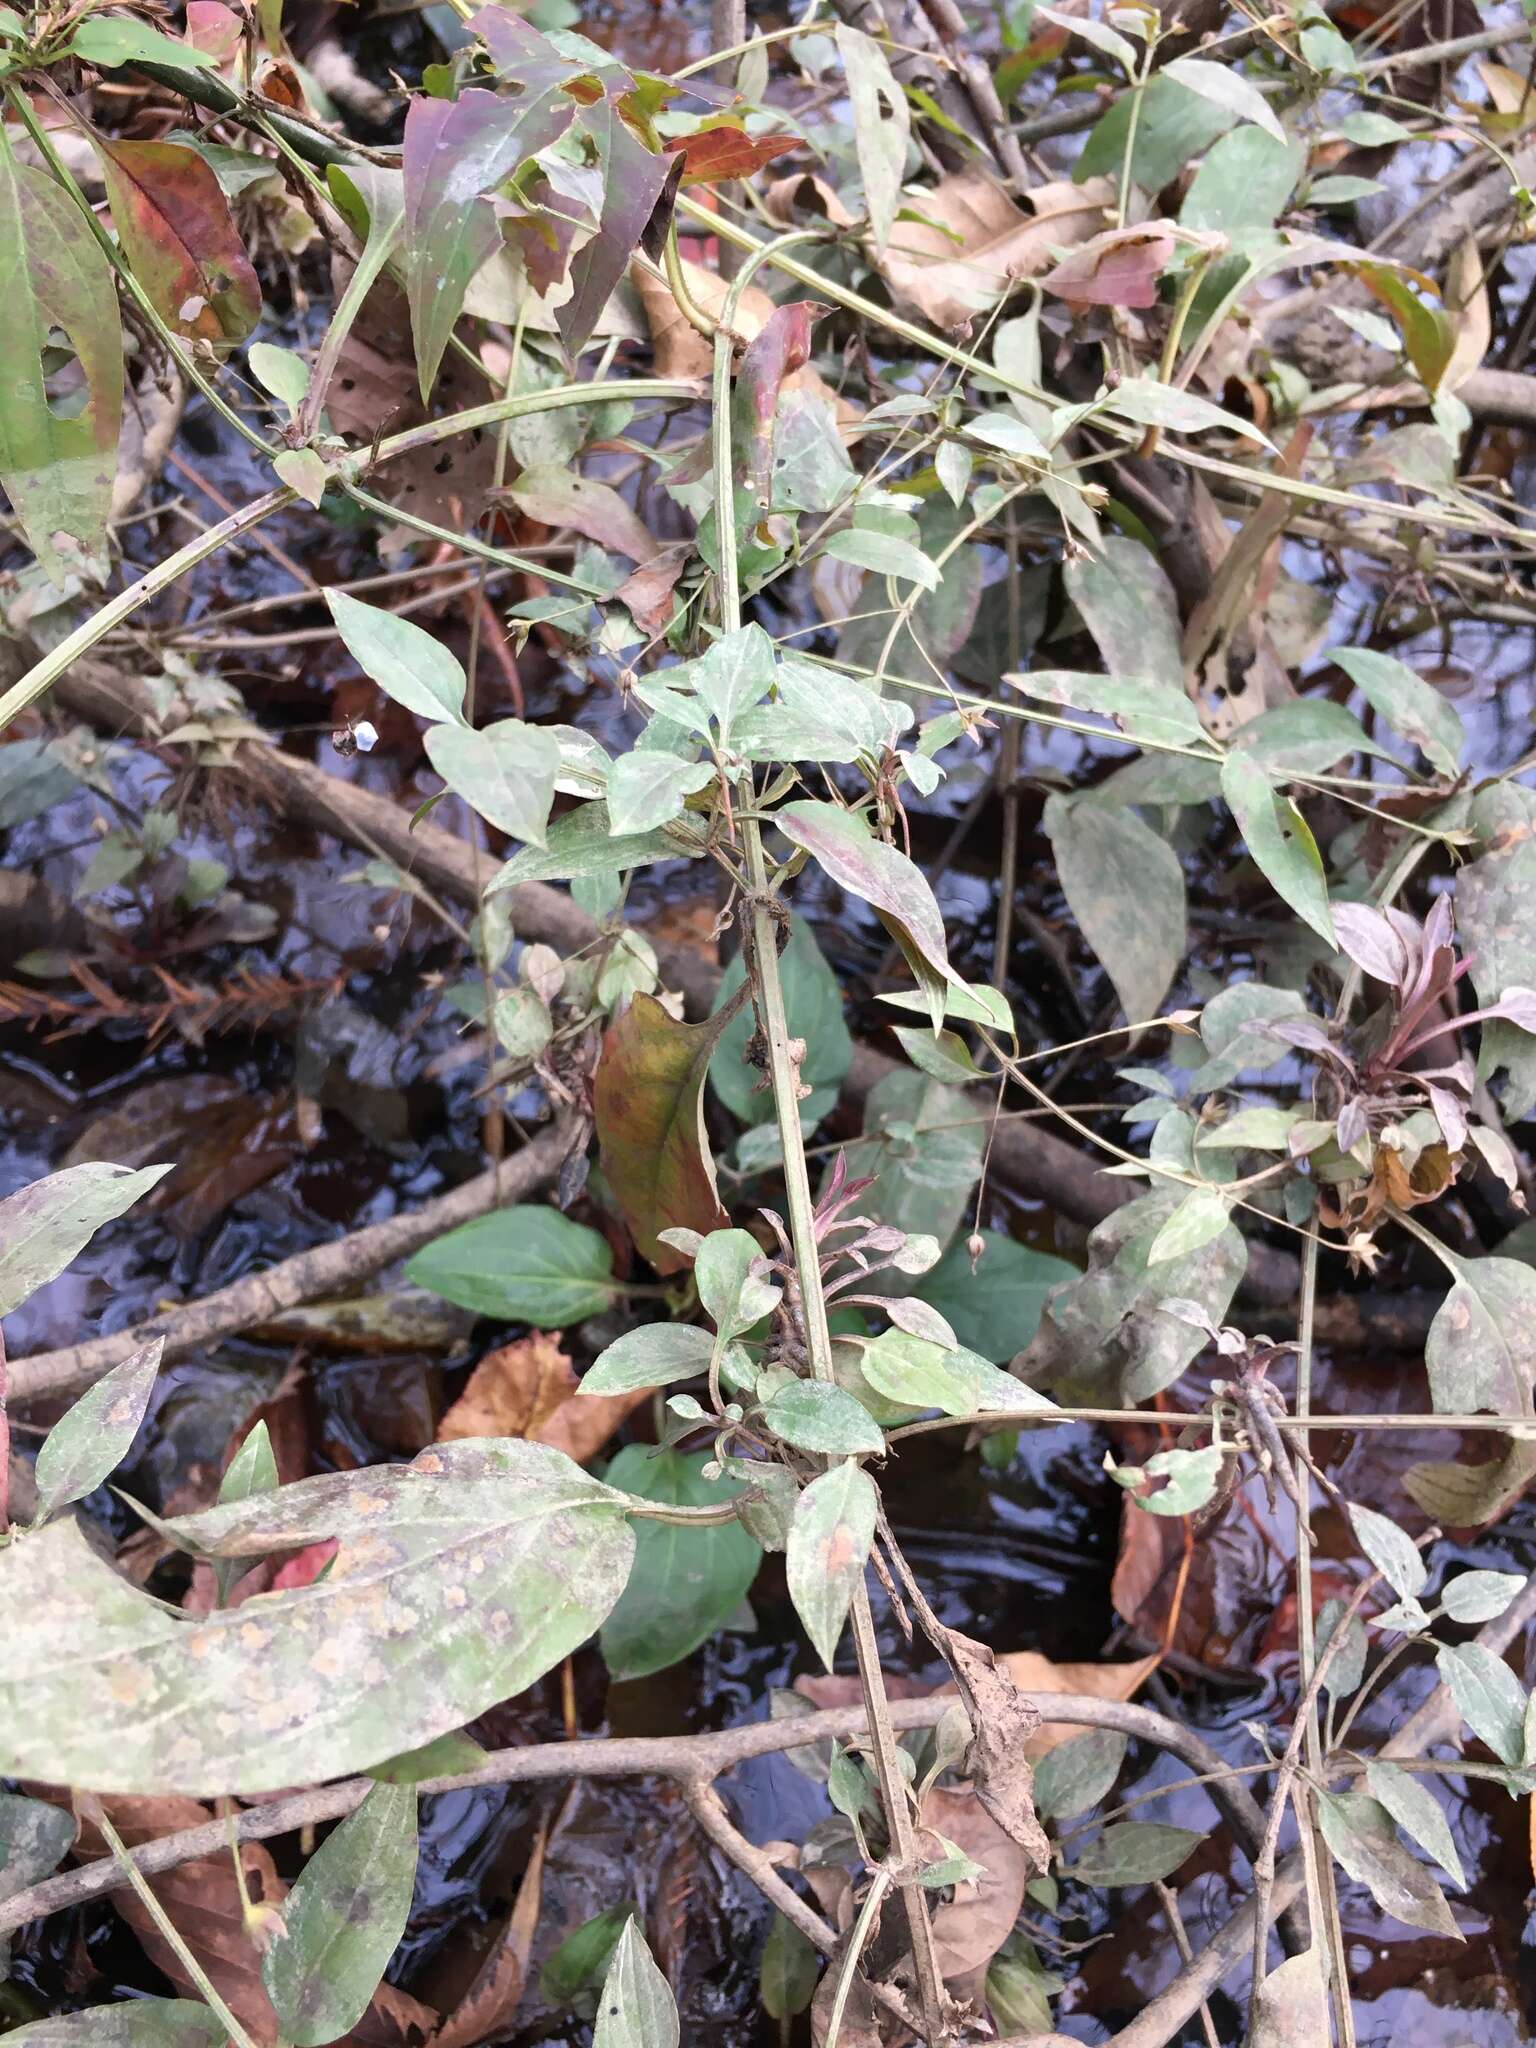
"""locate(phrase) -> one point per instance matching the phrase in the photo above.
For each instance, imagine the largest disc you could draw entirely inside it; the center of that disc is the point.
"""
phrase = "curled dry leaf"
(529, 1389)
(972, 245)
(1003, 1724)
(679, 350)
(489, 2006)
(1120, 268)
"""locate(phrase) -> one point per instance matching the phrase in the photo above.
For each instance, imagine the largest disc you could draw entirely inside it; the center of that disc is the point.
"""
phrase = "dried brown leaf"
(1032, 1672)
(528, 1389)
(969, 1931)
(973, 245)
(491, 2002)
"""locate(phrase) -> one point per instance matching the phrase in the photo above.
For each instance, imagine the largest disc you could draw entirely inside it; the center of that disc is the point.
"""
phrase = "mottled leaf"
(921, 1374)
(924, 1150)
(1125, 887)
(646, 790)
(1128, 605)
(649, 1112)
(175, 228)
(34, 1839)
(1359, 1831)
(731, 1275)
(343, 1919)
(44, 1227)
(1076, 1775)
(1392, 1550)
(829, 1545)
(885, 553)
(561, 497)
(94, 1436)
(1292, 2004)
(653, 1356)
(634, 179)
(1408, 704)
(1481, 1351)
(505, 771)
(721, 150)
(881, 126)
(1474, 1597)
(579, 847)
(813, 1415)
(527, 1264)
(1490, 1698)
(137, 2023)
(458, 1581)
(1411, 1803)
(1496, 912)
(411, 666)
(686, 1581)
(57, 471)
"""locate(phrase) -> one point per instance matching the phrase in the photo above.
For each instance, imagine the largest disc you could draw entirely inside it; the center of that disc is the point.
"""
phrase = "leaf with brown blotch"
(559, 497)
(782, 346)
(972, 245)
(528, 1389)
(649, 1111)
(1120, 268)
(57, 471)
(711, 155)
(180, 239)
(647, 591)
(488, 2007)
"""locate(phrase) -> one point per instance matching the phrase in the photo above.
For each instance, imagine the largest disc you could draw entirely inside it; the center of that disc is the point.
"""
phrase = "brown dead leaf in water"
(488, 2007)
(528, 1389)
(973, 245)
(969, 1931)
(1003, 1724)
(1032, 1672)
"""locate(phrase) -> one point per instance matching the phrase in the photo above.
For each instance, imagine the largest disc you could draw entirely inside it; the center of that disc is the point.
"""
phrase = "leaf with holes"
(95, 1435)
(57, 471)
(1279, 839)
(649, 1111)
(506, 772)
(175, 228)
(458, 1581)
(635, 179)
(686, 1581)
(343, 1919)
(829, 1545)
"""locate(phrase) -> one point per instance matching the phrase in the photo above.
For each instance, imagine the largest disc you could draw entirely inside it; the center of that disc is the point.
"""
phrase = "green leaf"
(1153, 404)
(1409, 705)
(829, 1545)
(885, 554)
(34, 1839)
(655, 1355)
(686, 1581)
(1144, 710)
(881, 126)
(506, 772)
(815, 1416)
(1226, 87)
(920, 1374)
(943, 1055)
(94, 1436)
(579, 847)
(735, 1296)
(1125, 887)
(791, 1964)
(57, 471)
(813, 1004)
(1243, 183)
(579, 1965)
(343, 1920)
(1359, 1831)
(646, 790)
(1418, 1813)
(136, 2023)
(1429, 332)
(818, 715)
(1490, 1698)
(1279, 839)
(1201, 1216)
(1303, 738)
(406, 663)
(1173, 126)
(1496, 913)
(1134, 1852)
(1128, 605)
(995, 1310)
(284, 373)
(1475, 1597)
(514, 1553)
(1191, 1475)
(1346, 1667)
(448, 1756)
(636, 2009)
(1481, 1351)
(1076, 1774)
(44, 1227)
(1394, 1553)
(970, 1002)
(108, 40)
(527, 1264)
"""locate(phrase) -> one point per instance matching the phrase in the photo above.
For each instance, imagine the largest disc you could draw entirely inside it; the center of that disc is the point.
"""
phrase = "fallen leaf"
(1032, 1672)
(529, 1389)
(488, 2007)
(679, 350)
(1003, 1725)
(970, 1930)
(972, 245)
(649, 1113)
(648, 590)
(1119, 268)
(559, 497)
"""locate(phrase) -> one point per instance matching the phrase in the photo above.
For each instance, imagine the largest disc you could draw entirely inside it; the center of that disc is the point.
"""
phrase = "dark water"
(1022, 1558)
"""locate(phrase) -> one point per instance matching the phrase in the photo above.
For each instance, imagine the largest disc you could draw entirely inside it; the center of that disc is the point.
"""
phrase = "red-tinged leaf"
(559, 497)
(1118, 268)
(213, 28)
(57, 472)
(648, 592)
(634, 179)
(180, 239)
(455, 152)
(544, 240)
(781, 346)
(710, 155)
(648, 1108)
(843, 845)
(530, 60)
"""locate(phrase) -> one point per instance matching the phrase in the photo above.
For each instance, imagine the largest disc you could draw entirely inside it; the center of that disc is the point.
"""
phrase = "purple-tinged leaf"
(633, 181)
(454, 153)
(1351, 1125)
(1370, 941)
